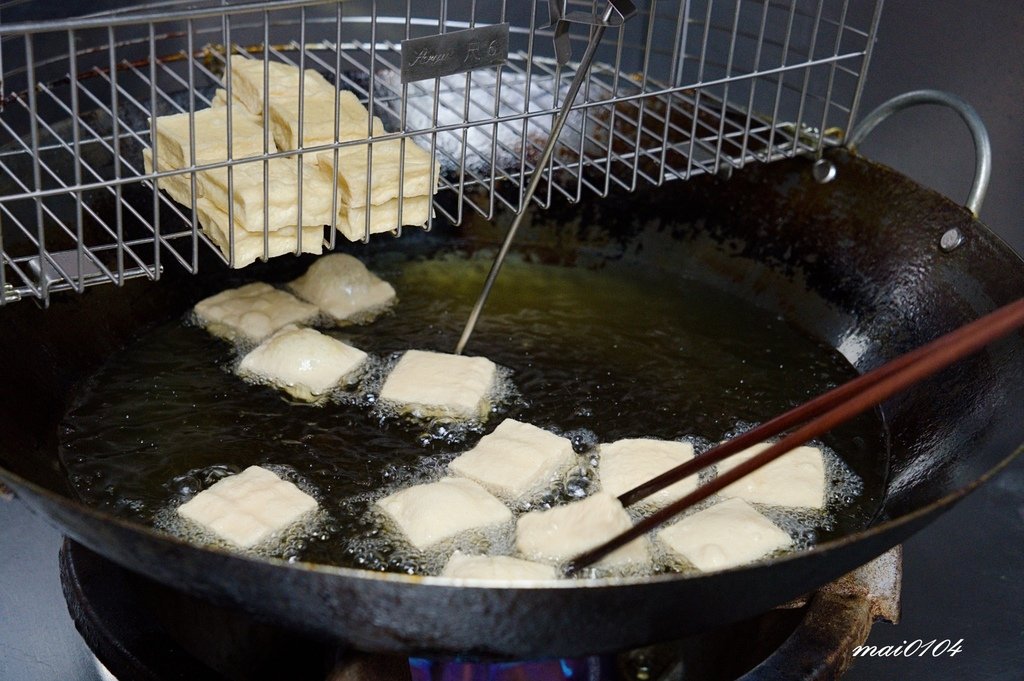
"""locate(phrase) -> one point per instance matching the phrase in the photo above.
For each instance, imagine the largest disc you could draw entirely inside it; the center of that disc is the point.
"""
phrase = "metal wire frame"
(689, 87)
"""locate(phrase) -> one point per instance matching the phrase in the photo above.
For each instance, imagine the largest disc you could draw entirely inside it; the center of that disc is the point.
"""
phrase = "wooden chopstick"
(782, 422)
(826, 412)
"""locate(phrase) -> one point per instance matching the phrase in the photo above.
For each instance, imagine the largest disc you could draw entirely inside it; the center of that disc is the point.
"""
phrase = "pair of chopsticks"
(818, 416)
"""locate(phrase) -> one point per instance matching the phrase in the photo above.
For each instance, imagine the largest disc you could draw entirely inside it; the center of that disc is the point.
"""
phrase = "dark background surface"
(964, 575)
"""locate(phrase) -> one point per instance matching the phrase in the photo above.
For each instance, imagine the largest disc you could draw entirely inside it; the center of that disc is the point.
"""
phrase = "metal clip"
(560, 20)
(9, 294)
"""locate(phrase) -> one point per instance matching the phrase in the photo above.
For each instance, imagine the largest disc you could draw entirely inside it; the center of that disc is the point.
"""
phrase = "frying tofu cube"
(516, 460)
(797, 478)
(725, 535)
(282, 196)
(628, 463)
(563, 532)
(318, 105)
(252, 312)
(464, 566)
(173, 135)
(383, 217)
(353, 171)
(303, 362)
(430, 513)
(344, 289)
(429, 384)
(246, 509)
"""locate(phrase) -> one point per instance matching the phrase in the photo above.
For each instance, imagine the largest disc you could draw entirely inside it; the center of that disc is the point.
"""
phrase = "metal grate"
(684, 88)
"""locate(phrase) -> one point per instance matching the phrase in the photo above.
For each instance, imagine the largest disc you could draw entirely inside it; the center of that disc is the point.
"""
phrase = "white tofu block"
(246, 509)
(252, 312)
(342, 287)
(173, 136)
(463, 566)
(628, 463)
(248, 245)
(430, 513)
(282, 194)
(247, 187)
(220, 98)
(563, 532)
(383, 217)
(318, 100)
(383, 171)
(516, 460)
(179, 187)
(303, 362)
(725, 535)
(797, 478)
(436, 384)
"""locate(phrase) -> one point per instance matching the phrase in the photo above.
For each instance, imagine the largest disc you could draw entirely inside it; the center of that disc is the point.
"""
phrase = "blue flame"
(424, 669)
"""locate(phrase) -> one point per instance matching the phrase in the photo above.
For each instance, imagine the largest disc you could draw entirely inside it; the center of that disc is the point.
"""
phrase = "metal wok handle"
(823, 645)
(982, 145)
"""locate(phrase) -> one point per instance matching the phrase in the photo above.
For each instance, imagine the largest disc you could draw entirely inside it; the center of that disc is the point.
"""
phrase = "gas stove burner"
(596, 668)
(140, 629)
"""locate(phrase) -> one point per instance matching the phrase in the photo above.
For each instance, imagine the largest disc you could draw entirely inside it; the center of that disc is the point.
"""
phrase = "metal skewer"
(614, 14)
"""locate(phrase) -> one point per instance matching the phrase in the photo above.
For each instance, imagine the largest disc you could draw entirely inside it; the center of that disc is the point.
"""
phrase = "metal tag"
(440, 55)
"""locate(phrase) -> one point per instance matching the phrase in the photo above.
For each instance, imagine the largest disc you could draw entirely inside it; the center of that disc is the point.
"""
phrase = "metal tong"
(615, 14)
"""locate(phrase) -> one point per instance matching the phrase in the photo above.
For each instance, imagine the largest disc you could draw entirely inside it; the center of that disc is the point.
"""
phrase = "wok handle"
(982, 145)
(821, 648)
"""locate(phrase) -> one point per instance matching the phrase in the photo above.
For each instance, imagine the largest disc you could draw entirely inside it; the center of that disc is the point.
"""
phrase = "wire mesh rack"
(684, 88)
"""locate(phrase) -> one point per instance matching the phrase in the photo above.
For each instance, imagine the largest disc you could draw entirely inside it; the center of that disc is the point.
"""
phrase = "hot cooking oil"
(596, 355)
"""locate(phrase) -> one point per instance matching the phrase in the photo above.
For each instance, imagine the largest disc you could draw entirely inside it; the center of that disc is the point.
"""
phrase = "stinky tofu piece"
(248, 508)
(249, 244)
(725, 535)
(342, 287)
(516, 460)
(626, 464)
(247, 81)
(220, 98)
(282, 197)
(387, 174)
(384, 217)
(464, 566)
(436, 384)
(211, 128)
(179, 187)
(557, 534)
(430, 513)
(252, 312)
(318, 104)
(247, 190)
(303, 362)
(214, 221)
(797, 478)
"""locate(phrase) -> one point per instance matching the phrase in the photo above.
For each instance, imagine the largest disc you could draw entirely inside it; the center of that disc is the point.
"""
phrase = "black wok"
(856, 262)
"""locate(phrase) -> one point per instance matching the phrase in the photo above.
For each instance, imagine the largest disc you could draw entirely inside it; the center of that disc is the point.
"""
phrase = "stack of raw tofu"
(380, 184)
